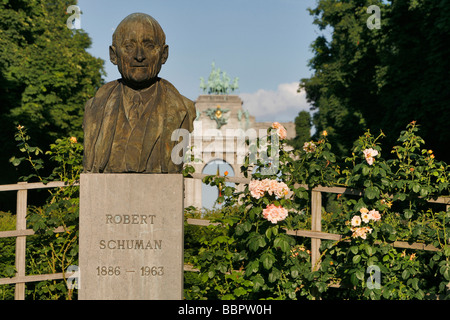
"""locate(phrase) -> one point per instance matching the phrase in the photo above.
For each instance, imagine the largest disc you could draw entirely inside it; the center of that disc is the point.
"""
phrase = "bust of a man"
(129, 123)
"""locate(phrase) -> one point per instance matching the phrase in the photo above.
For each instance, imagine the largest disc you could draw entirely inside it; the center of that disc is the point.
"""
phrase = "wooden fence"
(315, 233)
(21, 234)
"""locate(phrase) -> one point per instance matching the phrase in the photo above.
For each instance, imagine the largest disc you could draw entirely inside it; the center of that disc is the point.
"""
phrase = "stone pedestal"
(131, 237)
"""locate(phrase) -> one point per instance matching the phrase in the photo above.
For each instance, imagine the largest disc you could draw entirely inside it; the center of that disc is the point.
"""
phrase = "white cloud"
(282, 105)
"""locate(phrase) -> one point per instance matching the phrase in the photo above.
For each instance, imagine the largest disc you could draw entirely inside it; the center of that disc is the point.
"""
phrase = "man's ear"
(165, 54)
(113, 55)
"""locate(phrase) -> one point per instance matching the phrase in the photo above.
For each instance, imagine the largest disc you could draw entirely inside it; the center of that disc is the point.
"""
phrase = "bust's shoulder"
(172, 91)
(102, 93)
(107, 88)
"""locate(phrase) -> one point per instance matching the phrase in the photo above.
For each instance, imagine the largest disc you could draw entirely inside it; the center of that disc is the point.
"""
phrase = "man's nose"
(140, 56)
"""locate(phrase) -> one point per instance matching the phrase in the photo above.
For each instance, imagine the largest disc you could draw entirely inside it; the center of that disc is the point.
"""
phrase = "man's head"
(138, 49)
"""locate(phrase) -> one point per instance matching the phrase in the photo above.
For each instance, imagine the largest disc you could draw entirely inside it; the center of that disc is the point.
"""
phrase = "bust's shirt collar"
(144, 94)
(142, 97)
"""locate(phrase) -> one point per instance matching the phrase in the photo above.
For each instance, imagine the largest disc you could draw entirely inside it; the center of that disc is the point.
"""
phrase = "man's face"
(137, 54)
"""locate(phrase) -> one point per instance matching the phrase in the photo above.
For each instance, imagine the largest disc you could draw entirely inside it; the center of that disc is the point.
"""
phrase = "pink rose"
(356, 221)
(369, 154)
(272, 186)
(309, 147)
(361, 232)
(265, 184)
(281, 190)
(275, 213)
(281, 131)
(374, 215)
(256, 188)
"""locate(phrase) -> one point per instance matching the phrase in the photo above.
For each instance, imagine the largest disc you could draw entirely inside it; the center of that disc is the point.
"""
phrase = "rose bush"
(247, 253)
(254, 257)
(49, 252)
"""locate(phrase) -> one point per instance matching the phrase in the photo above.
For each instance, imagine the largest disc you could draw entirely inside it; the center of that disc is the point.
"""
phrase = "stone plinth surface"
(131, 237)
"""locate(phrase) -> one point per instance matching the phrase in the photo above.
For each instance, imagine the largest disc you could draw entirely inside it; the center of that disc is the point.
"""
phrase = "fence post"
(21, 224)
(316, 225)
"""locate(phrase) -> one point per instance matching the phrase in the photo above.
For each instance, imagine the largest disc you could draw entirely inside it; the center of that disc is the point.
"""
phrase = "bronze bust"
(129, 122)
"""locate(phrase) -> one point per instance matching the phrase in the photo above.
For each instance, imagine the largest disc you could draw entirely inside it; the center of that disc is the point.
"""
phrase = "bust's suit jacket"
(170, 111)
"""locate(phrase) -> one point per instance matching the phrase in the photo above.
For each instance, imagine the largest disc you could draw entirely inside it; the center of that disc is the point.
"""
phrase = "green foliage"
(362, 77)
(46, 75)
(47, 251)
(7, 254)
(302, 129)
(246, 256)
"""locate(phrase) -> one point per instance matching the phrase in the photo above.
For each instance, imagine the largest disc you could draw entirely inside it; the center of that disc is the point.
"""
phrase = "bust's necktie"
(134, 112)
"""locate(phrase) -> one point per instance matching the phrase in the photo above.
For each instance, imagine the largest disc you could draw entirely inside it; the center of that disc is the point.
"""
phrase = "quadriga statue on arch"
(128, 124)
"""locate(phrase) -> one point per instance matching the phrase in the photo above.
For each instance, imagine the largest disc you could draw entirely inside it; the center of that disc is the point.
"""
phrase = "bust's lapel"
(173, 120)
(154, 114)
(93, 122)
(107, 130)
(166, 115)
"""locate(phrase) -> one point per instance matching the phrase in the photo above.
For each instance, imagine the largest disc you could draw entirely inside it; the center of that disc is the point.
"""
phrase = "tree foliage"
(381, 78)
(46, 74)
(302, 129)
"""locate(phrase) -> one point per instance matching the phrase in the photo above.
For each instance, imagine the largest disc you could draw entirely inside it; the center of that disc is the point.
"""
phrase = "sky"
(265, 43)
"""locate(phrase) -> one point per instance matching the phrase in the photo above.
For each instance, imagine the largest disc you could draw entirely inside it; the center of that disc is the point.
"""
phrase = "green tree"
(46, 75)
(344, 78)
(302, 129)
(416, 79)
(381, 78)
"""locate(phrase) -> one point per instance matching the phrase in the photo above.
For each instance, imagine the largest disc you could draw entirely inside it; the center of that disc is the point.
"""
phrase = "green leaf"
(423, 192)
(360, 274)
(365, 170)
(15, 161)
(220, 239)
(258, 282)
(239, 229)
(267, 259)
(252, 267)
(445, 271)
(447, 250)
(10, 271)
(372, 192)
(321, 286)
(354, 279)
(414, 283)
(415, 187)
(356, 259)
(269, 232)
(274, 275)
(399, 196)
(256, 241)
(420, 294)
(247, 226)
(370, 250)
(408, 213)
(240, 291)
(405, 274)
(295, 271)
(282, 243)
